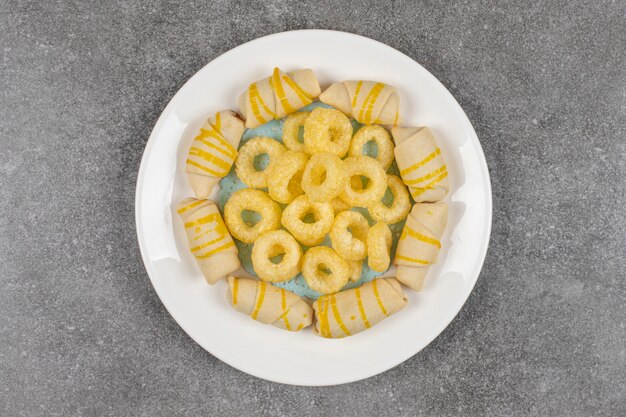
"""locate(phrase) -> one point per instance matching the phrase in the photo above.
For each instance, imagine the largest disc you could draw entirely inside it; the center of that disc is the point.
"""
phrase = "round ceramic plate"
(303, 358)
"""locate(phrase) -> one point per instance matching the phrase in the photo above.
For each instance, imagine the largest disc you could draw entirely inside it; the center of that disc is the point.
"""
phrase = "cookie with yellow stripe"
(213, 152)
(419, 243)
(368, 102)
(421, 163)
(209, 240)
(278, 95)
(351, 311)
(269, 304)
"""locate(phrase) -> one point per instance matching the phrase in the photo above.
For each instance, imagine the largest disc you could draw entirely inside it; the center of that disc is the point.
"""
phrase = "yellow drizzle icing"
(207, 244)
(413, 260)
(357, 292)
(380, 302)
(421, 163)
(284, 307)
(202, 167)
(217, 250)
(235, 290)
(190, 206)
(303, 95)
(262, 287)
(356, 93)
(428, 176)
(277, 86)
(407, 231)
(419, 190)
(333, 305)
(369, 102)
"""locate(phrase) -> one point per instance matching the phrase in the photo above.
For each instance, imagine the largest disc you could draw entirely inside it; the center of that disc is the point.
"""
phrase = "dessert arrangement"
(329, 200)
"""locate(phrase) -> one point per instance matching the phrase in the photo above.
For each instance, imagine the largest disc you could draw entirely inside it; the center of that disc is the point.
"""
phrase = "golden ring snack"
(324, 270)
(277, 96)
(209, 241)
(363, 166)
(380, 137)
(352, 311)
(213, 152)
(255, 201)
(350, 244)
(294, 124)
(273, 244)
(295, 220)
(285, 176)
(378, 246)
(421, 163)
(400, 206)
(356, 268)
(327, 130)
(366, 101)
(419, 243)
(324, 177)
(339, 205)
(269, 304)
(245, 163)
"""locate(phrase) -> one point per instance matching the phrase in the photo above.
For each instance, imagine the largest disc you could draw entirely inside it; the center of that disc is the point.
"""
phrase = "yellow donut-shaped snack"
(327, 130)
(380, 137)
(271, 245)
(324, 177)
(356, 267)
(399, 208)
(339, 205)
(324, 270)
(285, 176)
(294, 124)
(244, 165)
(350, 244)
(307, 221)
(378, 247)
(363, 166)
(255, 201)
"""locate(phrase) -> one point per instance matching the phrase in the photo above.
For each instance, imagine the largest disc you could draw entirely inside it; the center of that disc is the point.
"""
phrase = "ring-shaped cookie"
(269, 246)
(324, 270)
(294, 123)
(348, 235)
(251, 200)
(378, 135)
(327, 130)
(324, 177)
(400, 206)
(374, 190)
(307, 221)
(284, 179)
(378, 247)
(245, 162)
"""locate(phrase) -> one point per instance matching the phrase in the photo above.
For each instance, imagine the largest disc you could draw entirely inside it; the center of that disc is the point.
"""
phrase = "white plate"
(303, 358)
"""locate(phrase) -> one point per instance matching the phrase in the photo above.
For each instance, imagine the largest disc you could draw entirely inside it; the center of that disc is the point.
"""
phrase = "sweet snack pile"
(320, 205)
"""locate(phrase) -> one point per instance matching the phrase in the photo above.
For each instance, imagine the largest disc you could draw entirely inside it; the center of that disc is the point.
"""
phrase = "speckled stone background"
(82, 331)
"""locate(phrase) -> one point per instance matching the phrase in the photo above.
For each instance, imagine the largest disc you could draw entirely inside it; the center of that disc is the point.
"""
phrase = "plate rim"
(488, 213)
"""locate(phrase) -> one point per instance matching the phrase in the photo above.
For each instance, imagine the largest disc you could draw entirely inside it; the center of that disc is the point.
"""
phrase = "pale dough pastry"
(269, 304)
(419, 243)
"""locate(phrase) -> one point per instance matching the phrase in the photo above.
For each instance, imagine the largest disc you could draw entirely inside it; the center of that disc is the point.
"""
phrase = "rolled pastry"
(209, 239)
(351, 311)
(213, 152)
(277, 96)
(269, 304)
(366, 101)
(421, 164)
(419, 244)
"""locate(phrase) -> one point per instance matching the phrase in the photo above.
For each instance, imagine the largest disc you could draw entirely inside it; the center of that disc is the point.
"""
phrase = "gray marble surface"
(83, 333)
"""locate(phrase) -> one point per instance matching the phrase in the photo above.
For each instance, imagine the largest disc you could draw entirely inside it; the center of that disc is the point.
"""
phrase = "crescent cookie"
(369, 102)
(277, 96)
